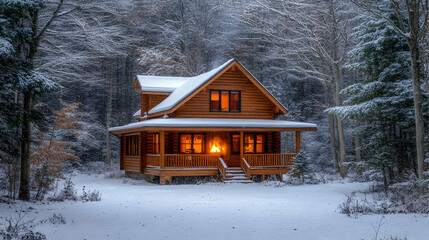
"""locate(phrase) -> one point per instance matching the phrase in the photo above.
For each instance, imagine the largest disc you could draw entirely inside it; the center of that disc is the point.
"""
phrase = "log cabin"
(223, 122)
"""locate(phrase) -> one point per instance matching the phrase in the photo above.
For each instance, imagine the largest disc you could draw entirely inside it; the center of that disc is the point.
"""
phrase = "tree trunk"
(342, 145)
(340, 127)
(418, 111)
(357, 149)
(108, 120)
(333, 140)
(24, 188)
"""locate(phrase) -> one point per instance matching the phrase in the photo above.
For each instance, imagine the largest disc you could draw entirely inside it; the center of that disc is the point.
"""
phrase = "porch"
(213, 164)
(234, 149)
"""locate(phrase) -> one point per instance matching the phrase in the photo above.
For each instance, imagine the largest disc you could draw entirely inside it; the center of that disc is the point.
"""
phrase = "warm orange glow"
(215, 148)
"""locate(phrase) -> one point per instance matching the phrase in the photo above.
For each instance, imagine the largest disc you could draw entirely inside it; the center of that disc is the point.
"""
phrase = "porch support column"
(298, 141)
(161, 149)
(241, 145)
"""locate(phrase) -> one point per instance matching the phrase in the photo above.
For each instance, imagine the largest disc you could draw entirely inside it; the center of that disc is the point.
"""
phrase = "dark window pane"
(224, 101)
(235, 101)
(214, 101)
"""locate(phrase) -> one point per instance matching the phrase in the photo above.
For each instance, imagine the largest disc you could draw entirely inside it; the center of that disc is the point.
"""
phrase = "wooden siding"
(148, 101)
(254, 104)
(129, 163)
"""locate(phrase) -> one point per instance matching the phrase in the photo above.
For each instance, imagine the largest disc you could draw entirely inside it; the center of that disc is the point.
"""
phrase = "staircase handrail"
(222, 168)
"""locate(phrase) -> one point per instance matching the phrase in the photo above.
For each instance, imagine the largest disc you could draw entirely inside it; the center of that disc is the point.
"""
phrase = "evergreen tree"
(383, 102)
(21, 29)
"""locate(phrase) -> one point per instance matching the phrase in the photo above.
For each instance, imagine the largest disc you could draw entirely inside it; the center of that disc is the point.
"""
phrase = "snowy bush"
(300, 168)
(90, 196)
(115, 174)
(67, 193)
(96, 167)
(408, 197)
(57, 219)
(18, 227)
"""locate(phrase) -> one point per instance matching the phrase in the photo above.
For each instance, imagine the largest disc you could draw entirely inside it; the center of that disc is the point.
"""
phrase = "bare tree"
(315, 34)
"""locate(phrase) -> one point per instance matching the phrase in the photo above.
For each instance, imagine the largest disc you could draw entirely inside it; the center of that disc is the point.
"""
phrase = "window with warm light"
(254, 143)
(153, 143)
(191, 143)
(132, 145)
(225, 101)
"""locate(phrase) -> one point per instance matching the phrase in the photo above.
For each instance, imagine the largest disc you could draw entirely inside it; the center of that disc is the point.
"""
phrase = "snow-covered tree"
(312, 39)
(382, 102)
(411, 24)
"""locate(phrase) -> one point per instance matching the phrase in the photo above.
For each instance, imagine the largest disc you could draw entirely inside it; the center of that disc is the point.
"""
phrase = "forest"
(359, 69)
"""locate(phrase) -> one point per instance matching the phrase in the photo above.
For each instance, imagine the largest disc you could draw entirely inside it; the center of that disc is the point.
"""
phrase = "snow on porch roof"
(189, 85)
(214, 123)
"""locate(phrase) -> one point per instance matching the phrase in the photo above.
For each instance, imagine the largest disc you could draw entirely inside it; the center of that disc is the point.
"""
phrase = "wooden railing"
(270, 160)
(152, 159)
(191, 160)
(246, 168)
(222, 167)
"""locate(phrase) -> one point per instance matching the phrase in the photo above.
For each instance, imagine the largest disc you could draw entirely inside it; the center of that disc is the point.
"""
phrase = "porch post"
(241, 145)
(298, 141)
(161, 148)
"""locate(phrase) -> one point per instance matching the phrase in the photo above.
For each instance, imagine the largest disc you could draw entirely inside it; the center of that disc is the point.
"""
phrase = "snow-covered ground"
(215, 211)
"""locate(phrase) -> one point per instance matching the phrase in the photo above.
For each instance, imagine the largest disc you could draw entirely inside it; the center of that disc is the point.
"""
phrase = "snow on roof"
(137, 114)
(160, 83)
(214, 122)
(189, 85)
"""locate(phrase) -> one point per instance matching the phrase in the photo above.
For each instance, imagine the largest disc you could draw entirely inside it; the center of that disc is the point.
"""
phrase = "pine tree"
(383, 102)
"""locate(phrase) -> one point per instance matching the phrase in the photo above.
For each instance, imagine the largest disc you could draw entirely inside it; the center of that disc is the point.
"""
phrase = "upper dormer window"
(225, 101)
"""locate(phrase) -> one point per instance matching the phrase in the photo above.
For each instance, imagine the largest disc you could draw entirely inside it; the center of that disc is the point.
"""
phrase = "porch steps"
(236, 175)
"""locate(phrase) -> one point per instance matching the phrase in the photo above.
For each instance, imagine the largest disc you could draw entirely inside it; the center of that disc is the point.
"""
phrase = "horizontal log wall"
(148, 101)
(254, 104)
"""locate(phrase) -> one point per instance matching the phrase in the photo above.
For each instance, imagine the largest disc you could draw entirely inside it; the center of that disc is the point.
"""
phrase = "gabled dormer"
(228, 91)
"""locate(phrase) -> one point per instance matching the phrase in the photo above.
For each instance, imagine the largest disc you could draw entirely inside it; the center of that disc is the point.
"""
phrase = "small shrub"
(18, 227)
(300, 168)
(67, 193)
(115, 174)
(57, 219)
(90, 196)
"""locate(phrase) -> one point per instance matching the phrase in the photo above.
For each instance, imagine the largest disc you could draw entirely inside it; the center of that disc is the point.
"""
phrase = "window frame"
(192, 142)
(155, 144)
(132, 143)
(229, 100)
(255, 142)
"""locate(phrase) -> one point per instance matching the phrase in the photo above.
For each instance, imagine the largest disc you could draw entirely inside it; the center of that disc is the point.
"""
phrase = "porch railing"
(191, 160)
(152, 159)
(270, 160)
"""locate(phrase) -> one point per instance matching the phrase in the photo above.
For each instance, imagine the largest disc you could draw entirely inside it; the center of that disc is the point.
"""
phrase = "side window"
(153, 143)
(132, 145)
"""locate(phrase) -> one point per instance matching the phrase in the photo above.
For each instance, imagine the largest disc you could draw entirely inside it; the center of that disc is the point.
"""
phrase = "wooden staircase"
(236, 175)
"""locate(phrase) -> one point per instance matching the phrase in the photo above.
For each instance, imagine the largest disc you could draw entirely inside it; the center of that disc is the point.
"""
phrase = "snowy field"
(138, 210)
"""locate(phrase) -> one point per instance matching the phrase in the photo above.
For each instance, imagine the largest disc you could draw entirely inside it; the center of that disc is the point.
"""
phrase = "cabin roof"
(160, 83)
(215, 123)
(183, 87)
(188, 87)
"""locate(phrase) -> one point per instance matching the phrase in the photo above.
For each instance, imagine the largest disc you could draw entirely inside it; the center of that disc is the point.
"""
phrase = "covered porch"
(234, 151)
